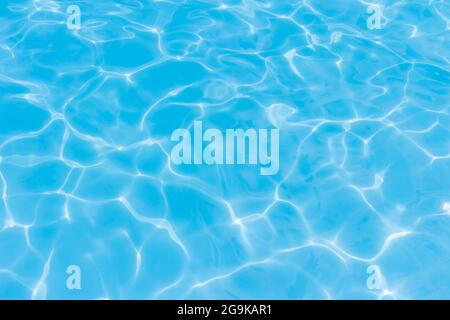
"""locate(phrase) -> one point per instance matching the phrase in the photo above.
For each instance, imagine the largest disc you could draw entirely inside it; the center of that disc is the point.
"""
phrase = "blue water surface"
(86, 117)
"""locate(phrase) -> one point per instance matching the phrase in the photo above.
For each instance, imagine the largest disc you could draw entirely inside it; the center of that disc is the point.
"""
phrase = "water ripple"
(85, 176)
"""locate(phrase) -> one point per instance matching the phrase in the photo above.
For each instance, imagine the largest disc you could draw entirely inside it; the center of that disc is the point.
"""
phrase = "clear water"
(85, 121)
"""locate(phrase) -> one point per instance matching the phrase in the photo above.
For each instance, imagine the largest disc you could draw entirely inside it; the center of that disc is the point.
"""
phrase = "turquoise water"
(85, 176)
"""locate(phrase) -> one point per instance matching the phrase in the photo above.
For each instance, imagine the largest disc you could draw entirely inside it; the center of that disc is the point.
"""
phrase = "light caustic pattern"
(85, 123)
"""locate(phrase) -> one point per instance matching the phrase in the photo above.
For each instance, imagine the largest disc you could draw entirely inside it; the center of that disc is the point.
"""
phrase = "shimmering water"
(85, 122)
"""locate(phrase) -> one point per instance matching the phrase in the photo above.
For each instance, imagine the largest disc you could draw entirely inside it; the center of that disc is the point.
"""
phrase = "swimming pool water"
(360, 206)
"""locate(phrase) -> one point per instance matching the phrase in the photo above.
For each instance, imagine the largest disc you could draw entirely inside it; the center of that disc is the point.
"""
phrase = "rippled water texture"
(85, 122)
